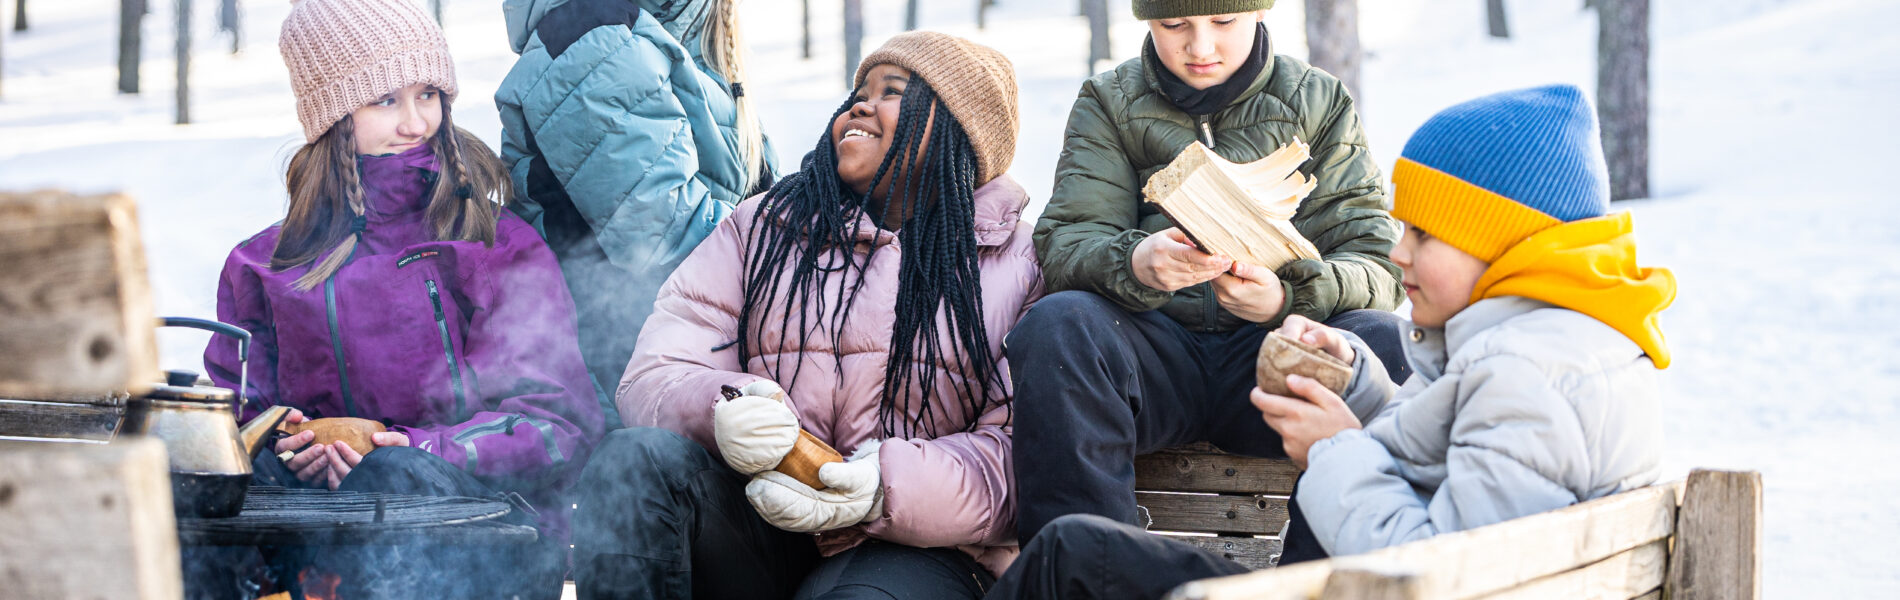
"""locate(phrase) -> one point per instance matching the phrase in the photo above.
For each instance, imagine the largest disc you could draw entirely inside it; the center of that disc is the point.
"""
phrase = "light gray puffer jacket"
(1516, 407)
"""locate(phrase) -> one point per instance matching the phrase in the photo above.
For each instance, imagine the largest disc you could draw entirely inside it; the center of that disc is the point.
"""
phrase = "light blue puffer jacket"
(639, 135)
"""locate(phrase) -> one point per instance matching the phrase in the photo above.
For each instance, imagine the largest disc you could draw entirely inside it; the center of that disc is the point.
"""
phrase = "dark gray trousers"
(660, 517)
(1096, 385)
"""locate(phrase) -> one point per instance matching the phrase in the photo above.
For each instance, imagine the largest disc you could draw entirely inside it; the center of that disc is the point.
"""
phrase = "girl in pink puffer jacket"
(874, 287)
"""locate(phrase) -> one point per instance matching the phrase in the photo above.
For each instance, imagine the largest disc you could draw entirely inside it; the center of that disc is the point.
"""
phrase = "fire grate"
(287, 517)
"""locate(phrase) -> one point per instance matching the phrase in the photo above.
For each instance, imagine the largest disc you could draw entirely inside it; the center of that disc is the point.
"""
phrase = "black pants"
(1086, 556)
(1096, 386)
(422, 570)
(660, 517)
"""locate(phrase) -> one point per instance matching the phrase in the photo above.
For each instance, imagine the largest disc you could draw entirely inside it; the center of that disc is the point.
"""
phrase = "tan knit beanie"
(343, 54)
(975, 82)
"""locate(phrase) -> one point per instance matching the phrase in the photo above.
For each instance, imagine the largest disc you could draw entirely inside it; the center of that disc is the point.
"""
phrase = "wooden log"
(1214, 513)
(182, 50)
(131, 17)
(87, 521)
(1371, 580)
(1254, 552)
(1718, 538)
(59, 420)
(1242, 211)
(76, 310)
(1627, 575)
(1193, 471)
(1510, 553)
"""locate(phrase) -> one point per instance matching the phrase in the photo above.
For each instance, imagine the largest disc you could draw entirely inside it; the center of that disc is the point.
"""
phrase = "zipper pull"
(1207, 131)
(435, 299)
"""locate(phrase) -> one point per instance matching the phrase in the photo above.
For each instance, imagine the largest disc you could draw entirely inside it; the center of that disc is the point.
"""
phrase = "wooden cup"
(807, 455)
(349, 430)
(1281, 355)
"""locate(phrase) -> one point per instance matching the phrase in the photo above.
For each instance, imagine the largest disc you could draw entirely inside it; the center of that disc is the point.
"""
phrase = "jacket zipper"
(448, 349)
(471, 455)
(1206, 130)
(336, 345)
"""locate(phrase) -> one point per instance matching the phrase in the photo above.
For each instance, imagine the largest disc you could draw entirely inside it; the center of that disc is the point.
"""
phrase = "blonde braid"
(728, 57)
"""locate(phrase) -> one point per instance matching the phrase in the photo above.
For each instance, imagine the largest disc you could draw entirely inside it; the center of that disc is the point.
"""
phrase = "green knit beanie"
(1149, 10)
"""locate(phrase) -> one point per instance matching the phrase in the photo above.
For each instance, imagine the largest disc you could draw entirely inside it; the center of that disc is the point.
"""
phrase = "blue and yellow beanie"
(1486, 174)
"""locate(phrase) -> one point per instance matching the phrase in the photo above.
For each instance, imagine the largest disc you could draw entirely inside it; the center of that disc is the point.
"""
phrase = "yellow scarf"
(1588, 266)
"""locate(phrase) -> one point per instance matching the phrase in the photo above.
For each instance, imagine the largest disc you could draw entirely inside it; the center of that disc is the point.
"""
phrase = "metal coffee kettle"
(210, 455)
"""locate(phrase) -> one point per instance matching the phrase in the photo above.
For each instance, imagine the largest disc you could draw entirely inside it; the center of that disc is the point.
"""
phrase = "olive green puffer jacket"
(1122, 130)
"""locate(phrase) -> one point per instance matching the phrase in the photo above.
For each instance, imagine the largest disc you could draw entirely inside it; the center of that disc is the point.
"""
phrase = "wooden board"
(1510, 553)
(1242, 211)
(1223, 513)
(1627, 575)
(1198, 470)
(87, 521)
(76, 308)
(1718, 538)
(1255, 552)
(58, 420)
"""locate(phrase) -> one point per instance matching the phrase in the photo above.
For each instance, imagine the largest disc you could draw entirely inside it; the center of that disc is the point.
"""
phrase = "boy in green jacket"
(1146, 342)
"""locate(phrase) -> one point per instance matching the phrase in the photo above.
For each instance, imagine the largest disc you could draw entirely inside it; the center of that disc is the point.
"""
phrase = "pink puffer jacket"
(955, 490)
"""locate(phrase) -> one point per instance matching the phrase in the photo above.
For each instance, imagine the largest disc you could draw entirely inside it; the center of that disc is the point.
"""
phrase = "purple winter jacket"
(469, 350)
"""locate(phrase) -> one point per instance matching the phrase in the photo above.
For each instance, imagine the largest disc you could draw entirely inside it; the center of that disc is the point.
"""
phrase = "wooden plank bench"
(1684, 541)
(1232, 505)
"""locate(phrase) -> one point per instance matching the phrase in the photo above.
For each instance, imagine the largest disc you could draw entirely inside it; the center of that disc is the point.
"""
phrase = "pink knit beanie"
(343, 54)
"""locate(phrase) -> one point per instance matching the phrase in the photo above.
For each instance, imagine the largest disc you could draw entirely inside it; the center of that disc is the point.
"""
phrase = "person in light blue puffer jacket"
(628, 136)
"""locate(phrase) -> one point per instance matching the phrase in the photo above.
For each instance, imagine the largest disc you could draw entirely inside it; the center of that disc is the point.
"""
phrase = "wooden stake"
(1718, 538)
(87, 521)
(76, 310)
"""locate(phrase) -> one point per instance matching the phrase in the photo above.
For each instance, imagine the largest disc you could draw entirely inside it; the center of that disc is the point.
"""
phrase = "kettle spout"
(252, 434)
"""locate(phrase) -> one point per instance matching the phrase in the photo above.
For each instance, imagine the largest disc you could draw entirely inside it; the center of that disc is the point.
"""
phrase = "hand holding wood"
(1166, 260)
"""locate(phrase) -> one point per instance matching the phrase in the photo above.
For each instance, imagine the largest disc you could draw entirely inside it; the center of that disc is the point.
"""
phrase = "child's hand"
(1250, 292)
(1302, 423)
(346, 457)
(1326, 338)
(1166, 260)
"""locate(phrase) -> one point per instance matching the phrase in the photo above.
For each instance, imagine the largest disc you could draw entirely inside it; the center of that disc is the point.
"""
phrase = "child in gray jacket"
(1535, 351)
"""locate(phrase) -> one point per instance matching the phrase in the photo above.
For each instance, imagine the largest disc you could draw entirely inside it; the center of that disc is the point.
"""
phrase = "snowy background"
(1772, 120)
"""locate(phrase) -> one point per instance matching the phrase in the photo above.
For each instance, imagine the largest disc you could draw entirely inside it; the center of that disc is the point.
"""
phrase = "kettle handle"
(244, 349)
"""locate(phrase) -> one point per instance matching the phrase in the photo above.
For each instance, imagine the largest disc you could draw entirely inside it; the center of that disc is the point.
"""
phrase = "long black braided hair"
(808, 225)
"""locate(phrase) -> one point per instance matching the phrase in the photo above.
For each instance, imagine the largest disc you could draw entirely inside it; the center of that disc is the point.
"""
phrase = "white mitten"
(853, 494)
(755, 430)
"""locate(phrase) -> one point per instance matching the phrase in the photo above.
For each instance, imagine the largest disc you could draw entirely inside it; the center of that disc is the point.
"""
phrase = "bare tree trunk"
(183, 48)
(1494, 13)
(228, 20)
(19, 15)
(982, 10)
(131, 18)
(910, 15)
(1332, 39)
(1097, 11)
(853, 38)
(3, 63)
(805, 23)
(435, 6)
(1623, 94)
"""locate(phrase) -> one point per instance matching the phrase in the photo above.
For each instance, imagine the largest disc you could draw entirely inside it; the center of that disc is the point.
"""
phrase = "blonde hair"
(724, 49)
(326, 198)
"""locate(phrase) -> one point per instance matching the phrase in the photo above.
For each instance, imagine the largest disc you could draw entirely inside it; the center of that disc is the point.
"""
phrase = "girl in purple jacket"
(397, 289)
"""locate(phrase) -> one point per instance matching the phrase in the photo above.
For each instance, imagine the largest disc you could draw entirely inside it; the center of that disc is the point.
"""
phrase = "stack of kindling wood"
(1242, 211)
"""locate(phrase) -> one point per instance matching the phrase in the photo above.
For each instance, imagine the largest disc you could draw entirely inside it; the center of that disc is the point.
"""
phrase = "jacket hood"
(684, 19)
(1589, 266)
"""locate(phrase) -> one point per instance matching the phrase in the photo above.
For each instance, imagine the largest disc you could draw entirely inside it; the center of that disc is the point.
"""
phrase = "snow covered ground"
(1772, 122)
